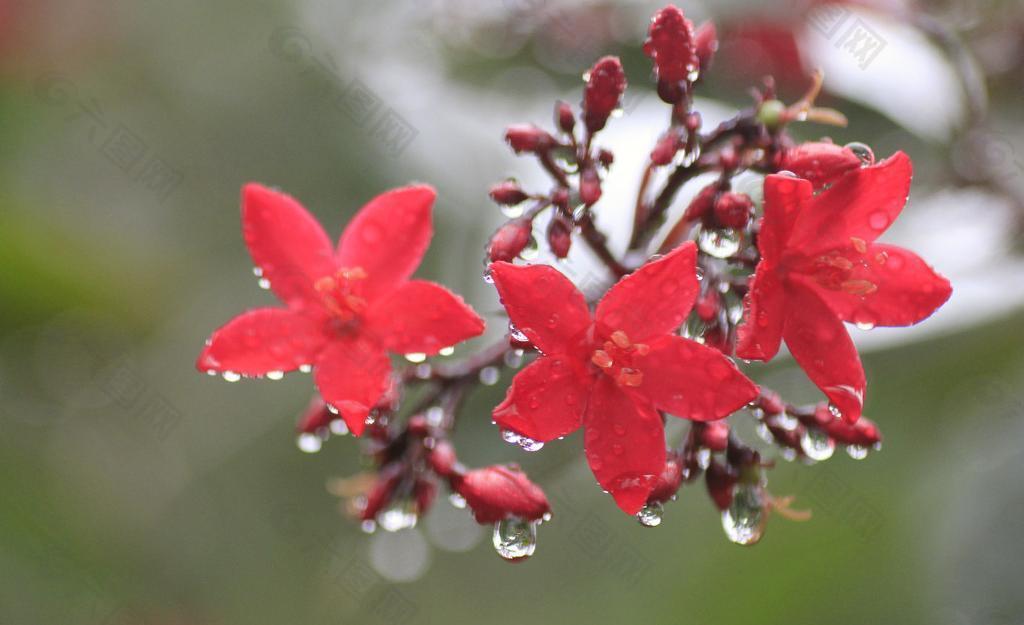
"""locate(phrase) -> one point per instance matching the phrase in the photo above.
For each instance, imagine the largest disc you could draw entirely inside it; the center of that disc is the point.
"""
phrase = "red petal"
(784, 199)
(862, 204)
(764, 316)
(654, 299)
(818, 341)
(693, 381)
(286, 243)
(545, 401)
(625, 444)
(388, 237)
(263, 340)
(543, 304)
(422, 317)
(352, 375)
(889, 286)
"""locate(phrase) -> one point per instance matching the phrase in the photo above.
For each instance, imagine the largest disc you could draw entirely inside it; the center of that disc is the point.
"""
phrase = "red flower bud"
(702, 204)
(605, 86)
(528, 138)
(560, 235)
(315, 417)
(666, 147)
(667, 484)
(418, 426)
(692, 122)
(424, 492)
(732, 210)
(706, 44)
(590, 186)
(605, 157)
(707, 305)
(564, 117)
(819, 162)
(862, 433)
(381, 492)
(771, 403)
(560, 198)
(508, 193)
(498, 492)
(509, 240)
(442, 459)
(720, 481)
(715, 435)
(670, 44)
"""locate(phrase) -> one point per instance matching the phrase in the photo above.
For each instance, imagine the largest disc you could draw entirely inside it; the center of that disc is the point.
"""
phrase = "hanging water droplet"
(512, 212)
(528, 444)
(331, 409)
(650, 514)
(788, 454)
(309, 442)
(816, 444)
(704, 458)
(764, 433)
(720, 243)
(447, 351)
(510, 437)
(514, 538)
(416, 357)
(488, 278)
(256, 271)
(398, 517)
(864, 325)
(231, 376)
(489, 376)
(369, 526)
(275, 375)
(863, 152)
(743, 521)
(514, 358)
(857, 452)
(516, 334)
(531, 250)
(263, 283)
(435, 416)
(457, 500)
(835, 411)
(338, 427)
(786, 421)
(423, 371)
(305, 368)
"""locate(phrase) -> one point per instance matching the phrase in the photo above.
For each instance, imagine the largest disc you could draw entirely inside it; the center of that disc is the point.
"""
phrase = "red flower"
(670, 43)
(613, 371)
(345, 307)
(820, 266)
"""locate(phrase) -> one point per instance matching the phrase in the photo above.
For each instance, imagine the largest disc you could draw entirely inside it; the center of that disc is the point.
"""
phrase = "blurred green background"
(136, 490)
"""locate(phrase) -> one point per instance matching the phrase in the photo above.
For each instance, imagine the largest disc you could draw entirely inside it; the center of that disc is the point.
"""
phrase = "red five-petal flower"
(613, 371)
(820, 266)
(345, 308)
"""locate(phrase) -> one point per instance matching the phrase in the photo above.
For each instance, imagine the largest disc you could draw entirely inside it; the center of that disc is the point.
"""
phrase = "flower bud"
(819, 162)
(666, 147)
(315, 417)
(670, 44)
(564, 117)
(528, 138)
(702, 204)
(732, 210)
(508, 193)
(442, 459)
(667, 484)
(424, 491)
(862, 433)
(605, 157)
(605, 86)
(590, 186)
(707, 305)
(560, 198)
(771, 403)
(560, 235)
(510, 239)
(381, 492)
(720, 481)
(706, 44)
(498, 492)
(715, 435)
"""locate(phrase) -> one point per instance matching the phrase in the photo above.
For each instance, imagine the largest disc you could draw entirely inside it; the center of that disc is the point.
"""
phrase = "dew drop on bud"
(786, 421)
(457, 501)
(704, 458)
(650, 514)
(416, 357)
(489, 376)
(816, 444)
(720, 243)
(435, 416)
(863, 152)
(512, 211)
(395, 518)
(514, 538)
(309, 442)
(857, 452)
(743, 521)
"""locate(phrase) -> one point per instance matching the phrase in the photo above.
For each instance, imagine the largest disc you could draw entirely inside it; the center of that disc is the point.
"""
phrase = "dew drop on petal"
(275, 375)
(516, 334)
(816, 444)
(305, 368)
(650, 515)
(515, 538)
(857, 452)
(416, 357)
(720, 243)
(309, 442)
(447, 351)
(863, 152)
(743, 521)
(528, 444)
(231, 376)
(263, 283)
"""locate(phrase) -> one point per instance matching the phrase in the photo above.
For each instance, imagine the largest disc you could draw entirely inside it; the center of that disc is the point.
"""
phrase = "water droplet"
(514, 538)
(488, 278)
(835, 411)
(369, 526)
(489, 376)
(435, 416)
(447, 351)
(305, 368)
(397, 517)
(857, 452)
(816, 444)
(256, 271)
(510, 437)
(650, 515)
(786, 421)
(231, 376)
(516, 334)
(863, 152)
(338, 427)
(720, 243)
(457, 500)
(744, 520)
(864, 325)
(416, 357)
(512, 212)
(704, 458)
(275, 375)
(528, 444)
(531, 251)
(309, 442)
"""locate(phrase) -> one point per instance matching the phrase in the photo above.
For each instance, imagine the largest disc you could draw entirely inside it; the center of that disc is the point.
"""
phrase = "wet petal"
(693, 381)
(422, 317)
(287, 244)
(821, 346)
(260, 341)
(654, 299)
(784, 199)
(388, 237)
(759, 335)
(546, 399)
(352, 375)
(625, 444)
(543, 304)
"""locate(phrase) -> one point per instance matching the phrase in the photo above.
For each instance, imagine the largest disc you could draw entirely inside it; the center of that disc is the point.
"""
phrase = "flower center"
(616, 358)
(340, 293)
